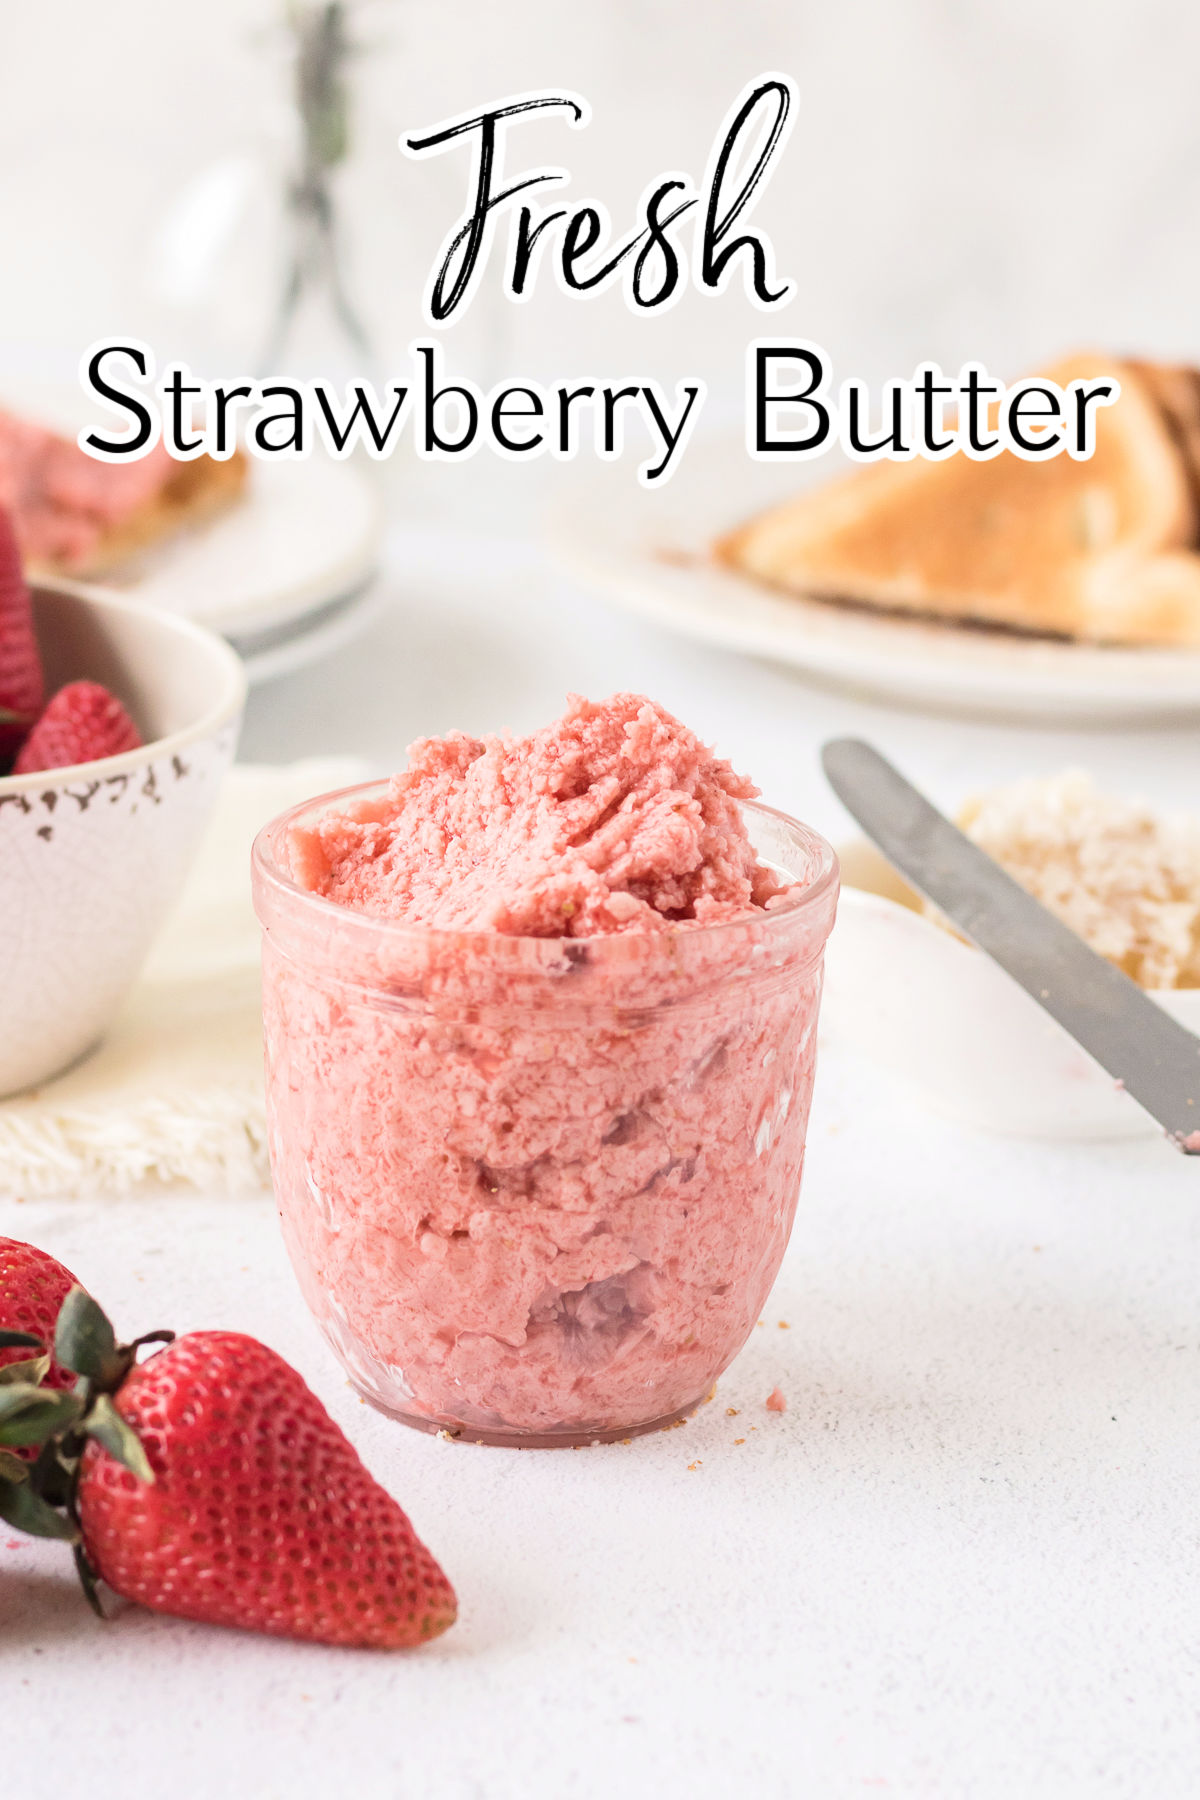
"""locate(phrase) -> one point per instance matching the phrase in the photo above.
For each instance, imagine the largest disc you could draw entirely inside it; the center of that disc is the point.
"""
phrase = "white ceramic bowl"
(91, 857)
(939, 1013)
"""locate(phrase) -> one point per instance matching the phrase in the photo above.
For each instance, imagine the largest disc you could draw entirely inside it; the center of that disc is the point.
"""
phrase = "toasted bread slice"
(195, 492)
(1143, 600)
(1055, 547)
(1175, 390)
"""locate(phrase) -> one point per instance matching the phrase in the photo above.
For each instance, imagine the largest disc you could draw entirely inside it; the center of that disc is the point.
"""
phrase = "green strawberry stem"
(29, 1414)
(41, 1497)
(33, 1368)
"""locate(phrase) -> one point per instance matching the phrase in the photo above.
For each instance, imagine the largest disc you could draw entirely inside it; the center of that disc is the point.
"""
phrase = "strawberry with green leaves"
(208, 1481)
(33, 1287)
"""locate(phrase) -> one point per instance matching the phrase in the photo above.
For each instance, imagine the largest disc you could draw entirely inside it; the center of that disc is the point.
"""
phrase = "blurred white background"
(993, 181)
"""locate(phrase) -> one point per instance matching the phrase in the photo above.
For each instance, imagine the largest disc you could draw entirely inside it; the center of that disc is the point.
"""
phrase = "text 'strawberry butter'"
(541, 1027)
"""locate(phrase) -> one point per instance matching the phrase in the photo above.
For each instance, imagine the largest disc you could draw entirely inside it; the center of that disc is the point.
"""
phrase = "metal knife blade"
(1142, 1047)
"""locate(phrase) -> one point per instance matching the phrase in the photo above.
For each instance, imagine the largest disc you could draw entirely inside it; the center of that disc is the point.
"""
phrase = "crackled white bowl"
(92, 857)
(937, 1012)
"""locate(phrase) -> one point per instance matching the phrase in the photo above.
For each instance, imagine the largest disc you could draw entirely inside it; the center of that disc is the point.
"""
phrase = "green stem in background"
(322, 49)
(322, 100)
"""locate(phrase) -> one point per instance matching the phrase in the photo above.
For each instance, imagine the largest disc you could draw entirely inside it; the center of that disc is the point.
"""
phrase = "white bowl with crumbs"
(907, 992)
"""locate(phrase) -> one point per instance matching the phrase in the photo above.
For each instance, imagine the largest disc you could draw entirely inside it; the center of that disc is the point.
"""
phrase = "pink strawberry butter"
(540, 1032)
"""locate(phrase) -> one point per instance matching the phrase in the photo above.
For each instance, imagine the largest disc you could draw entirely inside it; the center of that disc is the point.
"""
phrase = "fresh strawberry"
(260, 1513)
(20, 663)
(33, 1287)
(211, 1483)
(81, 724)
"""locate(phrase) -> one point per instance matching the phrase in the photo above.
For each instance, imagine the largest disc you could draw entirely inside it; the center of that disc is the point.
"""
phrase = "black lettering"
(929, 389)
(176, 388)
(1015, 404)
(583, 233)
(502, 409)
(894, 441)
(658, 240)
(451, 284)
(129, 446)
(341, 436)
(225, 396)
(433, 393)
(293, 416)
(1085, 428)
(716, 255)
(566, 399)
(974, 389)
(764, 356)
(669, 438)
(524, 240)
(612, 398)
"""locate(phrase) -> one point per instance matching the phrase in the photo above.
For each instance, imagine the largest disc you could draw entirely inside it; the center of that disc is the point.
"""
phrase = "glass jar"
(536, 1190)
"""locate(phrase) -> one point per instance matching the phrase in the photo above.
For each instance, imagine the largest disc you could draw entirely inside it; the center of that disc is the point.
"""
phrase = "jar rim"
(268, 871)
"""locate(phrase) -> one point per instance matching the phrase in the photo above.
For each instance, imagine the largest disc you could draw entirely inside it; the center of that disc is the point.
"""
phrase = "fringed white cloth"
(174, 1094)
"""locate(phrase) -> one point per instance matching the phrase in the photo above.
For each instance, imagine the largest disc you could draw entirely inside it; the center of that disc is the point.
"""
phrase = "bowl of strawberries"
(117, 724)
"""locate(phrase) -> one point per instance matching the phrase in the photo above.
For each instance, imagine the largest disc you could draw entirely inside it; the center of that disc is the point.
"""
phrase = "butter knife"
(1145, 1050)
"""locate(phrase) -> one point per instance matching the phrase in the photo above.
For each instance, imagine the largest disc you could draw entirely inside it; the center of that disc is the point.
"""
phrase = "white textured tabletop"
(964, 1562)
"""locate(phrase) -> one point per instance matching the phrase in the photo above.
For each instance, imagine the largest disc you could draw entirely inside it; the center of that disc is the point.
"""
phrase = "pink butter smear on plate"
(539, 1076)
(61, 500)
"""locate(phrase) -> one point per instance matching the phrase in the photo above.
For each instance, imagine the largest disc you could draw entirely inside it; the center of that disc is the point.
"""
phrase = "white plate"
(938, 1013)
(648, 552)
(305, 535)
